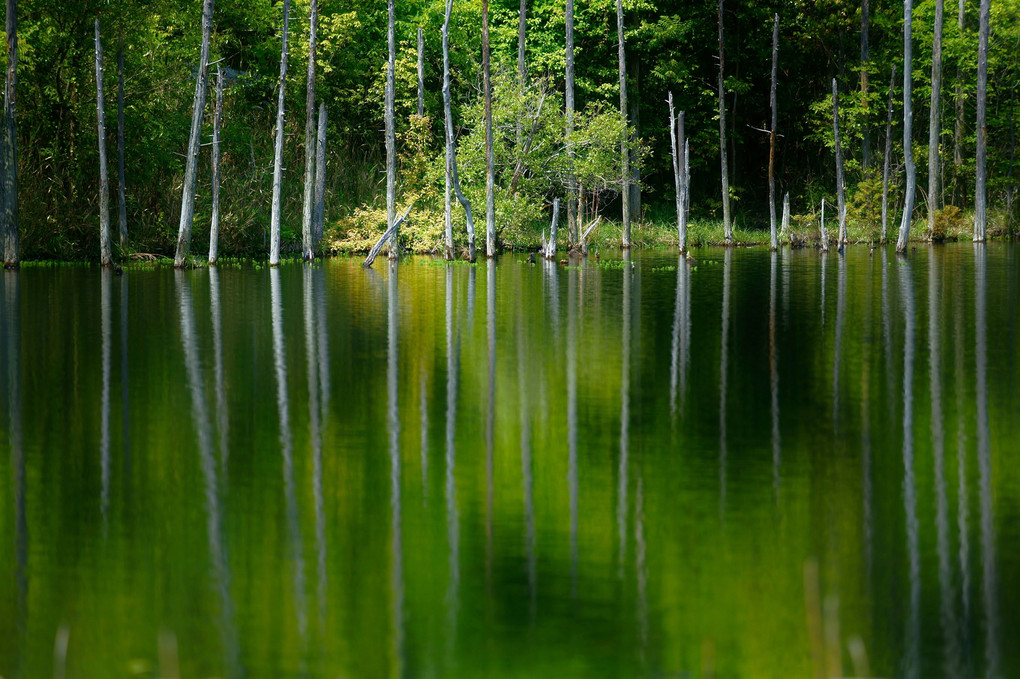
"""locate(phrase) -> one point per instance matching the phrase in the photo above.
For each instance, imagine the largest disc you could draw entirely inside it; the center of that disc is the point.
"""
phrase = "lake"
(757, 465)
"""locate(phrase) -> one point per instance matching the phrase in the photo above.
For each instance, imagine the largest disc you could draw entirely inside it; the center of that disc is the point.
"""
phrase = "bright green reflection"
(776, 465)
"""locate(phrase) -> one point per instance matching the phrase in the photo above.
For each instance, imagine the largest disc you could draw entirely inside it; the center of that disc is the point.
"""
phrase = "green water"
(760, 466)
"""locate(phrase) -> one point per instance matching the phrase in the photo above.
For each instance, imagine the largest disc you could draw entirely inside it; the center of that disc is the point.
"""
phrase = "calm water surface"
(791, 465)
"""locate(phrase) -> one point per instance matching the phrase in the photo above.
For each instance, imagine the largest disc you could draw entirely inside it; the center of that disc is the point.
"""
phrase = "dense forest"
(670, 48)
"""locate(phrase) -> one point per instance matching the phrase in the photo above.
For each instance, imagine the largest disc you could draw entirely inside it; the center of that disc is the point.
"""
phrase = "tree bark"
(421, 72)
(888, 156)
(908, 119)
(307, 249)
(522, 32)
(683, 145)
(490, 168)
(634, 109)
(980, 188)
(214, 227)
(319, 217)
(9, 154)
(823, 234)
(550, 249)
(624, 142)
(121, 191)
(865, 58)
(191, 164)
(451, 153)
(105, 254)
(675, 153)
(840, 199)
(786, 215)
(723, 160)
(572, 236)
(958, 127)
(933, 120)
(772, 136)
(391, 140)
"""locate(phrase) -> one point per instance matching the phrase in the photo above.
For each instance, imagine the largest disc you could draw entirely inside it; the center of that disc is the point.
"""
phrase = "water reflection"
(887, 342)
(124, 401)
(681, 346)
(838, 349)
(10, 322)
(723, 367)
(313, 367)
(774, 377)
(452, 517)
(393, 429)
(572, 422)
(622, 474)
(526, 470)
(962, 501)
(825, 266)
(222, 418)
(105, 312)
(490, 415)
(912, 657)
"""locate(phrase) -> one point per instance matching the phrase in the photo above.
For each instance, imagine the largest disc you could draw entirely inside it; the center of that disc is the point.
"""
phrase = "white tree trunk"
(490, 168)
(980, 189)
(865, 58)
(522, 31)
(121, 191)
(723, 160)
(307, 251)
(823, 233)
(451, 153)
(274, 229)
(933, 121)
(319, 217)
(421, 72)
(886, 164)
(550, 248)
(908, 119)
(214, 227)
(191, 164)
(391, 140)
(786, 215)
(624, 142)
(772, 136)
(572, 226)
(840, 200)
(677, 162)
(105, 255)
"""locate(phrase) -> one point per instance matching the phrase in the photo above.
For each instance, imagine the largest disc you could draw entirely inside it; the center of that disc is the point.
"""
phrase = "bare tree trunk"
(214, 227)
(451, 153)
(677, 162)
(685, 180)
(572, 227)
(823, 234)
(421, 72)
(840, 200)
(105, 255)
(865, 58)
(522, 32)
(391, 139)
(624, 142)
(786, 215)
(490, 169)
(980, 189)
(634, 103)
(550, 249)
(319, 217)
(197, 111)
(908, 120)
(9, 154)
(307, 249)
(723, 160)
(958, 195)
(888, 157)
(933, 121)
(772, 136)
(121, 197)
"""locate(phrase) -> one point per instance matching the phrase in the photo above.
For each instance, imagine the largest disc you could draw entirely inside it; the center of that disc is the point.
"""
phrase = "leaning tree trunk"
(391, 139)
(933, 121)
(572, 236)
(888, 157)
(451, 153)
(683, 146)
(676, 174)
(624, 141)
(105, 255)
(274, 228)
(421, 72)
(319, 216)
(980, 189)
(723, 160)
(840, 200)
(214, 227)
(307, 249)
(191, 164)
(772, 136)
(9, 154)
(490, 168)
(121, 197)
(908, 116)
(865, 58)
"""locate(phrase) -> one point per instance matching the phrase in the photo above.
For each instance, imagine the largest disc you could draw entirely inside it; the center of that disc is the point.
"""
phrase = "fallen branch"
(385, 237)
(584, 236)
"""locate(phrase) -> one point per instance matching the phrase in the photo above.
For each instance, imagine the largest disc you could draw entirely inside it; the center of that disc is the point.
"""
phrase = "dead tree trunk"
(723, 160)
(840, 200)
(214, 227)
(191, 164)
(9, 154)
(307, 250)
(933, 121)
(391, 139)
(958, 127)
(105, 255)
(823, 234)
(550, 247)
(888, 157)
(786, 216)
(421, 73)
(677, 162)
(772, 135)
(980, 188)
(319, 217)
(274, 229)
(624, 141)
(490, 168)
(121, 191)
(451, 153)
(685, 180)
(522, 32)
(572, 226)
(908, 120)
(865, 58)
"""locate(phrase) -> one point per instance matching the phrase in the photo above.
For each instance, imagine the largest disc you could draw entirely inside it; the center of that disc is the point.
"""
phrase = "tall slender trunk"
(451, 153)
(865, 58)
(9, 154)
(980, 189)
(421, 72)
(908, 120)
(307, 251)
(490, 168)
(391, 139)
(214, 227)
(191, 164)
(624, 141)
(569, 114)
(676, 173)
(105, 255)
(319, 216)
(121, 197)
(840, 200)
(723, 160)
(634, 110)
(958, 195)
(683, 146)
(522, 33)
(933, 121)
(824, 235)
(888, 156)
(772, 136)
